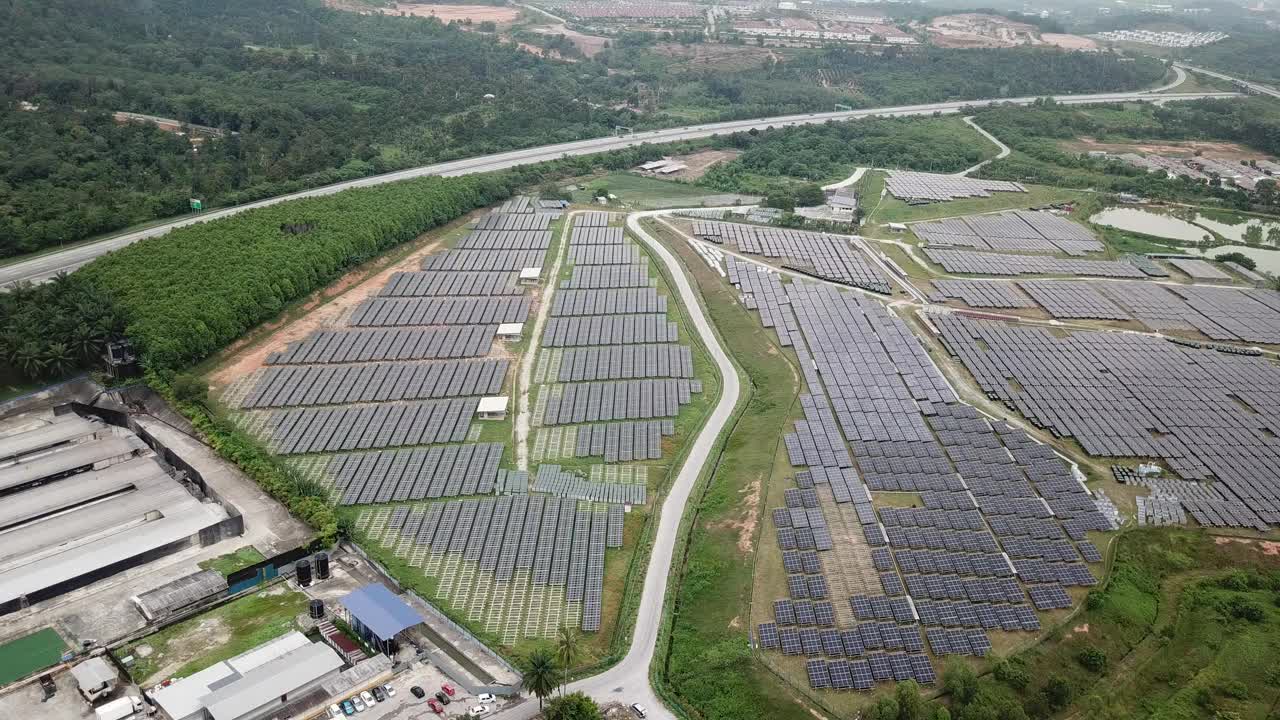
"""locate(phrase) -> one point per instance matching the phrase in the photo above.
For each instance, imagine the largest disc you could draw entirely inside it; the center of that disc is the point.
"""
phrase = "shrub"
(1013, 672)
(1092, 659)
(1057, 692)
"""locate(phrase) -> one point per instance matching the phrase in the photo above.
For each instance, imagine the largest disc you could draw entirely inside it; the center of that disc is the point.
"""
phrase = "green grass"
(709, 666)
(224, 632)
(231, 562)
(29, 653)
(643, 192)
(895, 210)
(1164, 621)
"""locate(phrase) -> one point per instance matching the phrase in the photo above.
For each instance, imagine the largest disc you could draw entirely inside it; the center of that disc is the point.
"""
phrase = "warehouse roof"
(64, 429)
(381, 611)
(267, 682)
(93, 673)
(66, 459)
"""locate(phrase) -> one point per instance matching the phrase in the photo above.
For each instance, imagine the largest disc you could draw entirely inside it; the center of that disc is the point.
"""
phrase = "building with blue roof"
(378, 616)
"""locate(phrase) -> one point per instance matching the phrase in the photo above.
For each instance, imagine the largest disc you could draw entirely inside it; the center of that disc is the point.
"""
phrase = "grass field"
(895, 210)
(709, 665)
(29, 653)
(231, 562)
(642, 192)
(226, 631)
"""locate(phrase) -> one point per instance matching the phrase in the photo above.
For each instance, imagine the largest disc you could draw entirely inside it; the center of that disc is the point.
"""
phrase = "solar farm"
(825, 256)
(874, 593)
(919, 187)
(384, 408)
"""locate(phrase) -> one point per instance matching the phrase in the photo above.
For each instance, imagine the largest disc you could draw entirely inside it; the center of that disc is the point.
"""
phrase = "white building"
(492, 408)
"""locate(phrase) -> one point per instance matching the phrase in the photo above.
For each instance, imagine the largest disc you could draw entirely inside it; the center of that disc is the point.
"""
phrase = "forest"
(1034, 134)
(309, 96)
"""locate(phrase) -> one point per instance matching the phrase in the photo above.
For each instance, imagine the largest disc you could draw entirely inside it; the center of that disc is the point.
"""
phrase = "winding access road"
(43, 267)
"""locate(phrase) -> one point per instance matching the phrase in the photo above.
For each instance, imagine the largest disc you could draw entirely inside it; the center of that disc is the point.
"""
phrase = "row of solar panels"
(623, 441)
(415, 474)
(556, 481)
(287, 386)
(458, 284)
(344, 346)
(625, 362)
(364, 427)
(395, 311)
(612, 301)
(609, 330)
(575, 403)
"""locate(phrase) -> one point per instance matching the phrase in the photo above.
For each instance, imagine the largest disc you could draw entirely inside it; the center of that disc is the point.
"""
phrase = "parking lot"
(404, 706)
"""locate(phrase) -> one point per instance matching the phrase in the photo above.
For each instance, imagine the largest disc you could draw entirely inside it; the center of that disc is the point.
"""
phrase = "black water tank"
(317, 609)
(303, 568)
(322, 566)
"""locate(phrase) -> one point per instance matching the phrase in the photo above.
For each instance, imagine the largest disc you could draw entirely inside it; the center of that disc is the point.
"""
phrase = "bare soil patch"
(1069, 42)
(714, 57)
(700, 162)
(1266, 547)
(590, 45)
(1222, 150)
(444, 13)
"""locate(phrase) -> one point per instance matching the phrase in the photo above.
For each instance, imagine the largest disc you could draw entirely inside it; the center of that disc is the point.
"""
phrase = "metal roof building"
(379, 615)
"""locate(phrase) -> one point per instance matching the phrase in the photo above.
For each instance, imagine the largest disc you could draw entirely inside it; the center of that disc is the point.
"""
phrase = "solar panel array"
(624, 441)
(617, 400)
(417, 474)
(426, 284)
(478, 260)
(596, 235)
(985, 263)
(625, 362)
(1199, 269)
(830, 257)
(608, 302)
(763, 291)
(599, 277)
(604, 254)
(918, 186)
(287, 386)
(391, 311)
(505, 239)
(609, 330)
(997, 506)
(1064, 299)
(1206, 414)
(1017, 231)
(344, 346)
(362, 427)
(552, 479)
(983, 293)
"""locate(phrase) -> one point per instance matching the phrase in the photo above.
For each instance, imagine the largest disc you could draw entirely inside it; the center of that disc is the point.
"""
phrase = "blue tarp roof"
(378, 609)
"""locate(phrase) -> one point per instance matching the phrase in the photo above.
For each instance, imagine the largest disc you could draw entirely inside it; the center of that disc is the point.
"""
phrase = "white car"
(335, 711)
(391, 692)
(479, 711)
(485, 698)
(360, 706)
(638, 709)
(368, 698)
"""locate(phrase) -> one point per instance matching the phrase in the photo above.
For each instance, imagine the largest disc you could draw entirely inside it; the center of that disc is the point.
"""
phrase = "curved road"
(1255, 87)
(43, 267)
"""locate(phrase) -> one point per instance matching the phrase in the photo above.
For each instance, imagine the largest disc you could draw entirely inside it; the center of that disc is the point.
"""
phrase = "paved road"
(46, 266)
(628, 681)
(1262, 89)
(1004, 149)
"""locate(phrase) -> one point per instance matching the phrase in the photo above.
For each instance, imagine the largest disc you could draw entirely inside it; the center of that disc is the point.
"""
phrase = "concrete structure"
(493, 408)
(510, 331)
(530, 276)
(95, 677)
(252, 685)
(83, 501)
(379, 616)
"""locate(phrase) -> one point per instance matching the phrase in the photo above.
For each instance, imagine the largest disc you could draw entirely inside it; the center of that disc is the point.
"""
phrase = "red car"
(435, 706)
(448, 689)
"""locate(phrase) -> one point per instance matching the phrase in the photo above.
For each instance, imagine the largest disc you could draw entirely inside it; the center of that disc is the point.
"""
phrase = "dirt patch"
(700, 162)
(589, 45)
(736, 622)
(708, 56)
(444, 13)
(1218, 150)
(1069, 42)
(179, 651)
(1084, 629)
(325, 308)
(1266, 547)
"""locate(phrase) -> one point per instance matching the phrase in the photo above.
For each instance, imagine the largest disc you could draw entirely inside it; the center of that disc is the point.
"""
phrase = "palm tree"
(566, 651)
(58, 359)
(540, 673)
(88, 341)
(29, 359)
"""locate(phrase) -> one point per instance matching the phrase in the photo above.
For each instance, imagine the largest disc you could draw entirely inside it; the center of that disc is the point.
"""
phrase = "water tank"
(317, 609)
(303, 568)
(322, 566)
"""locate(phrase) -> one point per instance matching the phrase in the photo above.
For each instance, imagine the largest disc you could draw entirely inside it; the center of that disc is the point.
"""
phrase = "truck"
(119, 709)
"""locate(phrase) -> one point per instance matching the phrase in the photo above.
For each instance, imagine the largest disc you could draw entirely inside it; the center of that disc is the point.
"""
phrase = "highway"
(1261, 89)
(43, 267)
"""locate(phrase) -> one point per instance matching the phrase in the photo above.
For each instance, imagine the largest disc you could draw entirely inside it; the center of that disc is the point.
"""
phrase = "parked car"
(638, 709)
(435, 706)
(348, 708)
(480, 711)
(448, 689)
(379, 694)
(417, 692)
(390, 691)
(360, 706)
(335, 711)
(444, 699)
(367, 698)
(485, 698)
